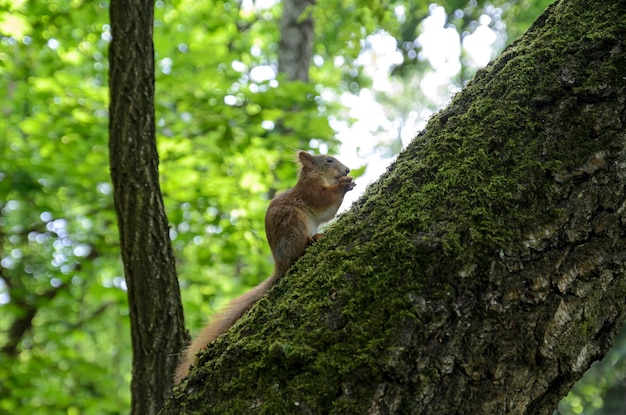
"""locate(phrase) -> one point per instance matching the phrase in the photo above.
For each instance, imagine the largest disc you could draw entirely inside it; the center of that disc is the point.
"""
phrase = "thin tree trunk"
(296, 39)
(157, 326)
(482, 274)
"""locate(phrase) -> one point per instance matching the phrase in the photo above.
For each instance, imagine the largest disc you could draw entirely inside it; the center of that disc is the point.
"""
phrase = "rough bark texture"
(157, 325)
(296, 39)
(482, 274)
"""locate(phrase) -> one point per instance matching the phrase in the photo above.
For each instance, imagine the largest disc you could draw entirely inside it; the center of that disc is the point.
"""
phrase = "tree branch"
(22, 324)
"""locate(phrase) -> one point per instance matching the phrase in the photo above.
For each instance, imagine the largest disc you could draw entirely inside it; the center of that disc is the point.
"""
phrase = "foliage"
(61, 279)
(226, 132)
(601, 390)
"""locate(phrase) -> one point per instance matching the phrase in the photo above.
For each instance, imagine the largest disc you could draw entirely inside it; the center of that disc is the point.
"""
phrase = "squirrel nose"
(347, 171)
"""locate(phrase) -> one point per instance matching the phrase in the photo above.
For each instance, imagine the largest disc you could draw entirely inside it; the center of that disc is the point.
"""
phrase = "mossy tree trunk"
(156, 314)
(482, 274)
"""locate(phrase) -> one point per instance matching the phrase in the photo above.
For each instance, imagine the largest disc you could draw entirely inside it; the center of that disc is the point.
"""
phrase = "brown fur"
(291, 224)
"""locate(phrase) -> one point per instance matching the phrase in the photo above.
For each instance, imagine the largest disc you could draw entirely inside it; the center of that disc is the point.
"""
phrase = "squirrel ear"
(305, 158)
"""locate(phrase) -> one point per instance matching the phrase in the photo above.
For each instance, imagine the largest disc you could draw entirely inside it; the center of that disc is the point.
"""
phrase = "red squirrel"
(291, 223)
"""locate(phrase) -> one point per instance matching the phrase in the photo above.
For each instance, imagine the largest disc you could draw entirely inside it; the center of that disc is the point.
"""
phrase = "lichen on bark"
(484, 271)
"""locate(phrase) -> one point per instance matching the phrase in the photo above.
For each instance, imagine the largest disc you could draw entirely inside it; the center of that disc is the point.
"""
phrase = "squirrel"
(291, 223)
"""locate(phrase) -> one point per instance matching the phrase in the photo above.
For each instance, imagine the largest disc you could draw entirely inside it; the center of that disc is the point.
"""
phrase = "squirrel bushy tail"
(220, 323)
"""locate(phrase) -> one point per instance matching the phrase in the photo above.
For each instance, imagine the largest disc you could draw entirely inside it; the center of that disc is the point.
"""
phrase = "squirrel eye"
(329, 160)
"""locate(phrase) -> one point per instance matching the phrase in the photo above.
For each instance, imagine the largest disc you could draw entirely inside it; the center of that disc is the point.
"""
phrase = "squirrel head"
(327, 166)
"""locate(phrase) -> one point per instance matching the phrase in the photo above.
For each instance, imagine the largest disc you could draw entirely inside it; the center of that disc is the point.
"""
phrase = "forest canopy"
(226, 131)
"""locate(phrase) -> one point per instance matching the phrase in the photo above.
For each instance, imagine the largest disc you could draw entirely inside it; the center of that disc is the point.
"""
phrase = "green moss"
(487, 155)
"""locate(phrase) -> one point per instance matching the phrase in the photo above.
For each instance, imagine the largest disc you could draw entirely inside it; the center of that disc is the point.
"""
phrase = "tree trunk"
(157, 326)
(482, 274)
(296, 39)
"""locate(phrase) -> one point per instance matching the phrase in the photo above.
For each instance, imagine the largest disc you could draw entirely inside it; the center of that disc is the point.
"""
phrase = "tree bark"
(157, 324)
(482, 274)
(296, 39)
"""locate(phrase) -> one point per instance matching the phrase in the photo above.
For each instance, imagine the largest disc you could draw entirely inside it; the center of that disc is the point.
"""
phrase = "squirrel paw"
(312, 239)
(347, 182)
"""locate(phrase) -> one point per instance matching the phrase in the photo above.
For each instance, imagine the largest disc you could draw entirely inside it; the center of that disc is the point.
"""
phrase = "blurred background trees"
(228, 122)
